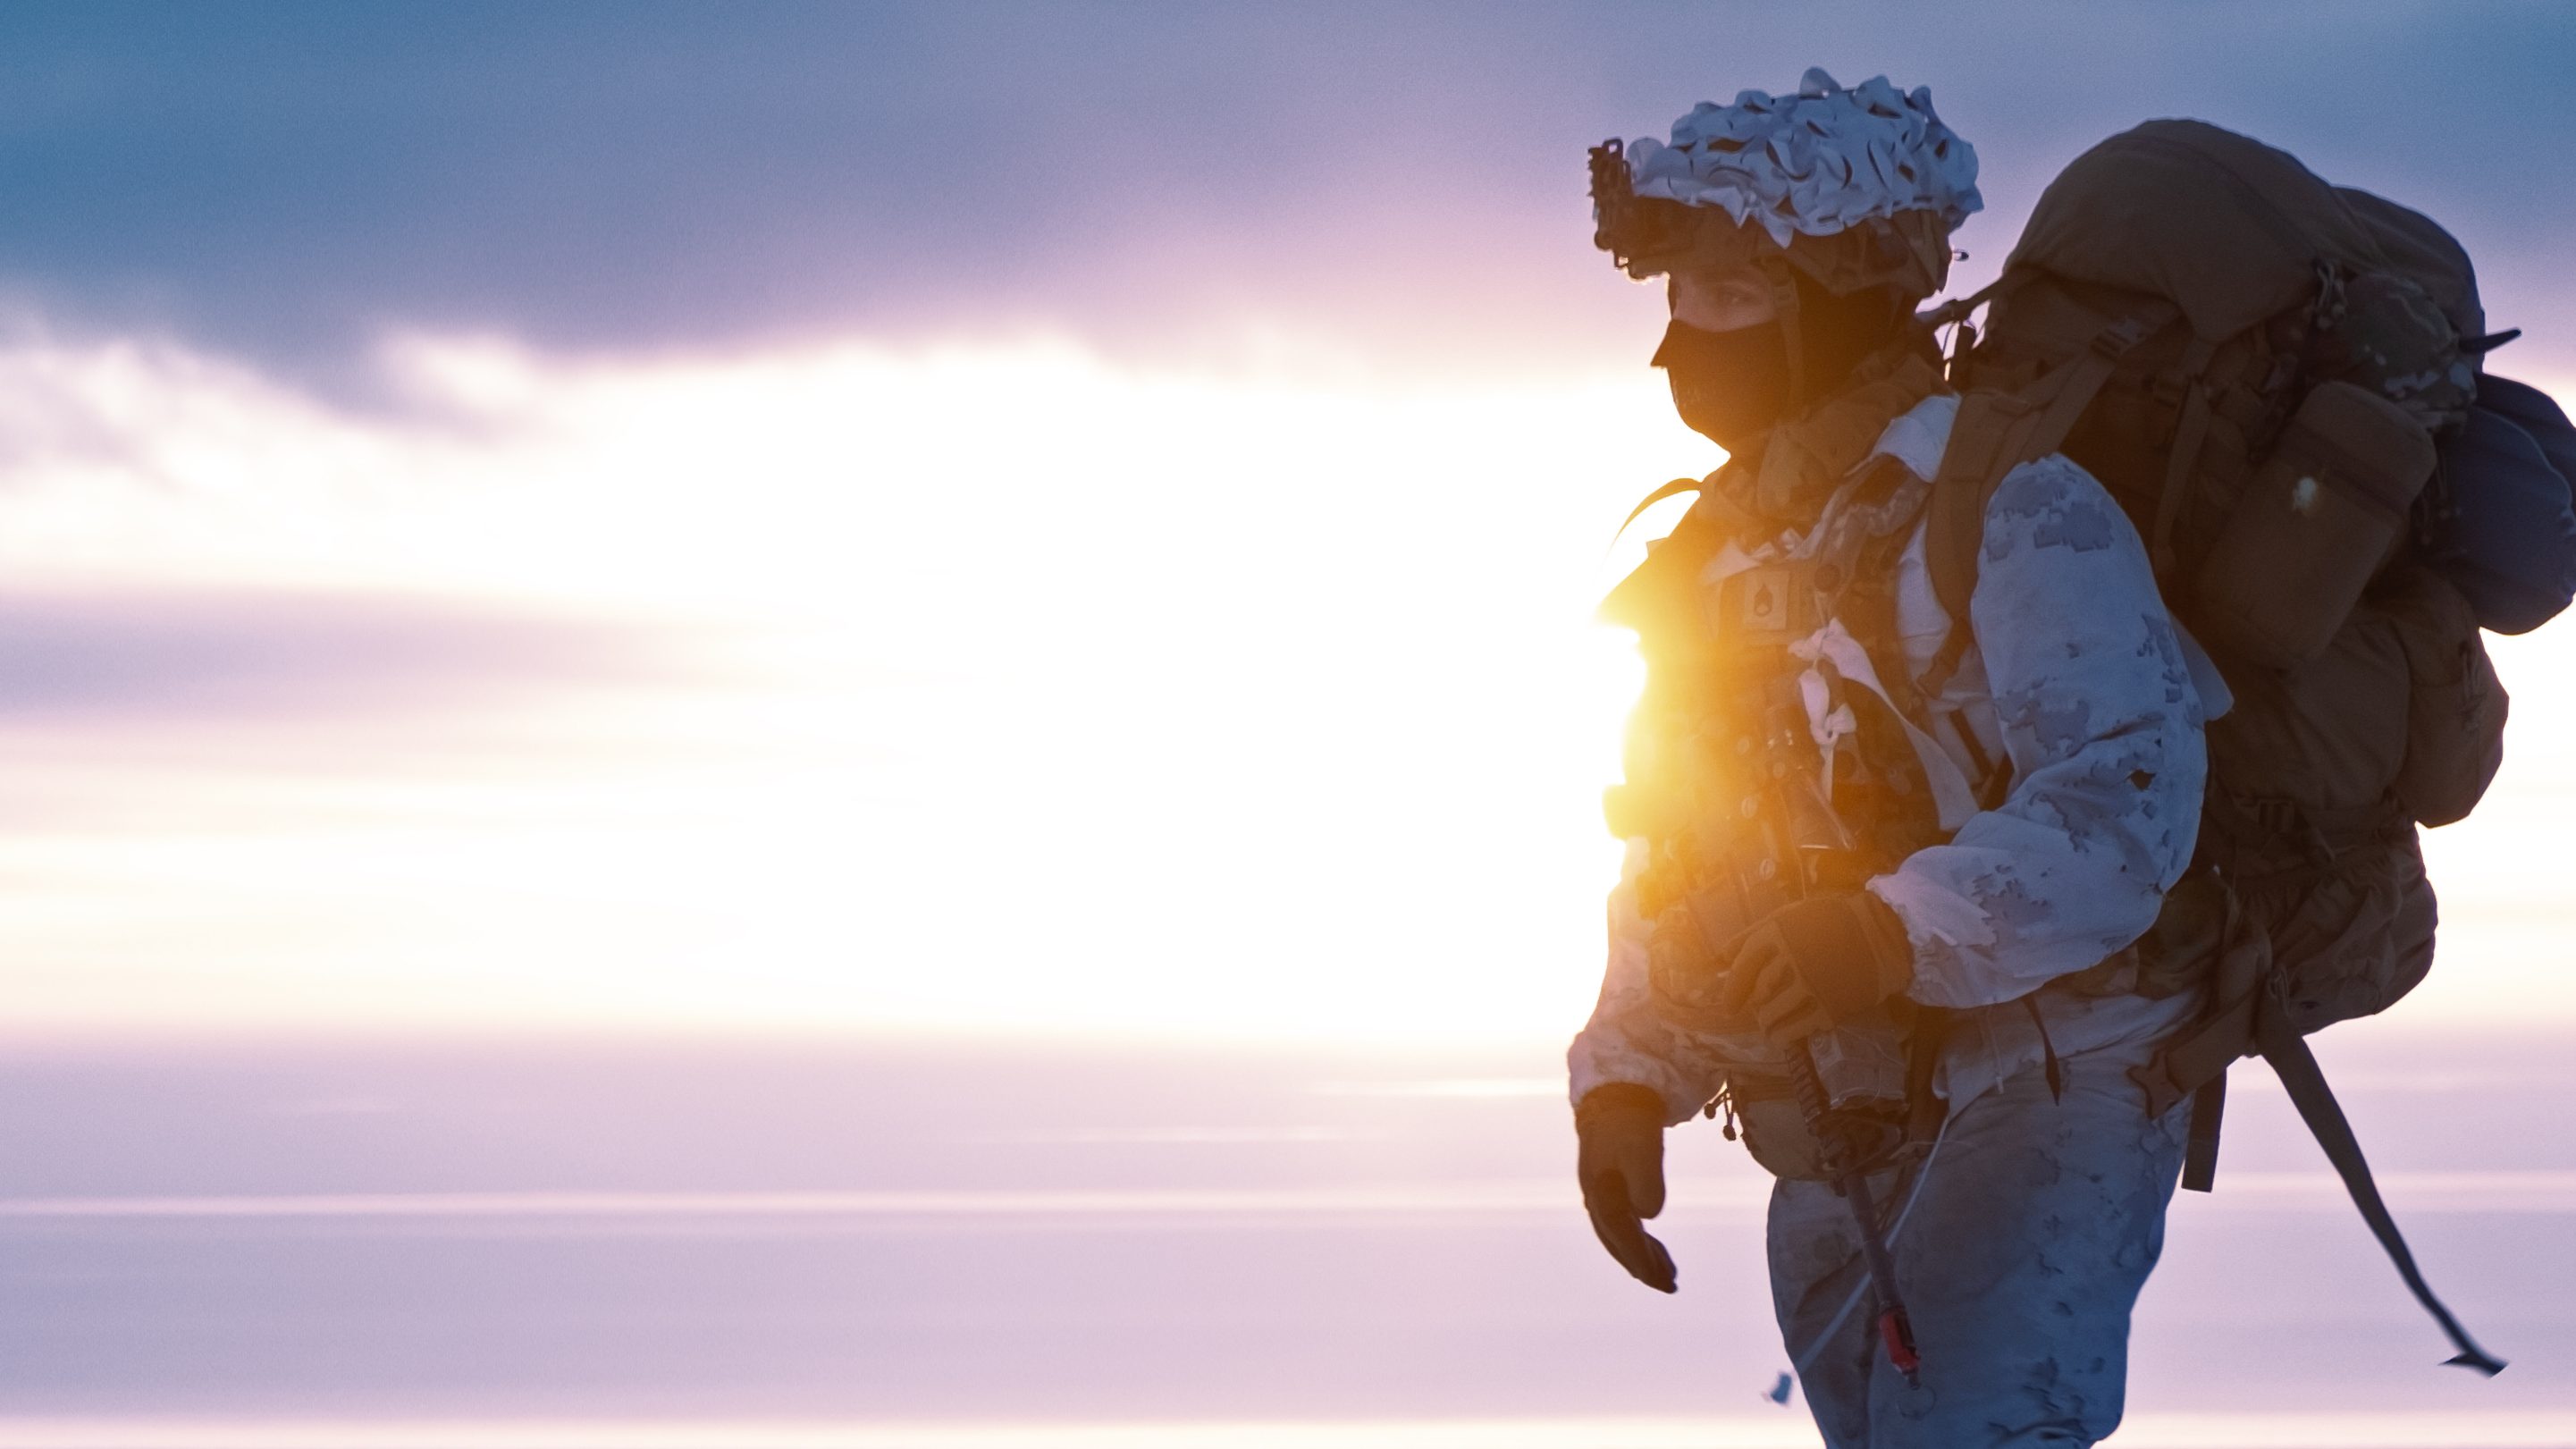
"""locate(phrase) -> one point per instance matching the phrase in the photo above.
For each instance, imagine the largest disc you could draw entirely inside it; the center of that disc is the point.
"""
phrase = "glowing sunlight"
(967, 688)
(845, 686)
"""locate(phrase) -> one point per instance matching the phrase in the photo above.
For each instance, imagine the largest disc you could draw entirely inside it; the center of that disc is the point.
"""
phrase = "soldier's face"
(1720, 301)
(1727, 365)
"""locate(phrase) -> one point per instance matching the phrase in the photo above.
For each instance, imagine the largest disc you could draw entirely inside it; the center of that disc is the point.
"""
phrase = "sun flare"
(968, 688)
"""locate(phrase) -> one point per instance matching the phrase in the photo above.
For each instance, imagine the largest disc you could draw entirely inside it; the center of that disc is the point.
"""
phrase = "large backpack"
(2278, 380)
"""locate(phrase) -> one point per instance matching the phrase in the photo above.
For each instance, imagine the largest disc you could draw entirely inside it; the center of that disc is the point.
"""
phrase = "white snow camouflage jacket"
(2079, 680)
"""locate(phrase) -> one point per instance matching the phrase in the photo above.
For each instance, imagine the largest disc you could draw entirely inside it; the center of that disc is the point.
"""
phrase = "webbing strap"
(2200, 1155)
(2199, 1056)
(1954, 519)
(1784, 304)
(1998, 432)
(2189, 434)
(2195, 1062)
(1961, 308)
(2288, 1053)
(2080, 380)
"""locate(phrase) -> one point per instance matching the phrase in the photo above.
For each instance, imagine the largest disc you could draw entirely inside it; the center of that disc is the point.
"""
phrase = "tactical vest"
(1770, 756)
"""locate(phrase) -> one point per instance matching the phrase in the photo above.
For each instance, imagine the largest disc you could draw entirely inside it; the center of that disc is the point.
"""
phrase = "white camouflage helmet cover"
(1814, 165)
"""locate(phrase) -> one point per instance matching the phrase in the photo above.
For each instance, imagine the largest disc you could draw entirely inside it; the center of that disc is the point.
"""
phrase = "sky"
(955, 518)
(878, 724)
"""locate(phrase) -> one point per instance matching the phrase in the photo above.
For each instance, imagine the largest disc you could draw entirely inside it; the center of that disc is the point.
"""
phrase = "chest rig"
(1768, 760)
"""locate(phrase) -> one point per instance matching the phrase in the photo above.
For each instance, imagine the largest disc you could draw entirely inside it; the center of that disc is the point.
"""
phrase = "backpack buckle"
(2118, 339)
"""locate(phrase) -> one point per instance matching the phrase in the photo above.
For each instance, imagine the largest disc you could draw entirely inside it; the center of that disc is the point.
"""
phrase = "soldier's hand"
(1816, 964)
(1619, 1158)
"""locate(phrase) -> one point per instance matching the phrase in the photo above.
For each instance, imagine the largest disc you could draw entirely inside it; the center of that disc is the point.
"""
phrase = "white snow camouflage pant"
(2036, 1224)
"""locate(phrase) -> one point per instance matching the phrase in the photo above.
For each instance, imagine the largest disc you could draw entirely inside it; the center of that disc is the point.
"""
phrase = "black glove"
(1619, 1159)
(1816, 964)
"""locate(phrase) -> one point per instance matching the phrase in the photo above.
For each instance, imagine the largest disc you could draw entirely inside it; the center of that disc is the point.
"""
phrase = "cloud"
(180, 658)
(290, 181)
(1041, 674)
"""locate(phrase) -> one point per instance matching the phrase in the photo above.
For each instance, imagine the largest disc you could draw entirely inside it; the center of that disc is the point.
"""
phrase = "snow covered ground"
(989, 1244)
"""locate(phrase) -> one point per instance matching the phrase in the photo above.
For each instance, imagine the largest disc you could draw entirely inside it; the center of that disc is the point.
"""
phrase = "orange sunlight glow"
(988, 688)
(1003, 688)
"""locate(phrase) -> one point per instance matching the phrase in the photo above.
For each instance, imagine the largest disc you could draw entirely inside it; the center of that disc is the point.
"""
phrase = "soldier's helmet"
(1853, 188)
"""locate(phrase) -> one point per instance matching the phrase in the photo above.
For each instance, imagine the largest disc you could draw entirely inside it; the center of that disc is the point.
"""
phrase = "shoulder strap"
(1997, 432)
(2194, 1063)
(2238, 1023)
(1954, 517)
(2191, 430)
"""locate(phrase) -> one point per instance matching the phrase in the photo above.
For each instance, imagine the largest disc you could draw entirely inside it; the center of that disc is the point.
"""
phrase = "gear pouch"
(2315, 521)
(2455, 703)
(1861, 1068)
(2499, 526)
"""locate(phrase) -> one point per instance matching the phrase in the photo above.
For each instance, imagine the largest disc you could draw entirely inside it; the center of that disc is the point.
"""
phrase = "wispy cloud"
(852, 684)
(293, 180)
(2398, 1429)
(175, 659)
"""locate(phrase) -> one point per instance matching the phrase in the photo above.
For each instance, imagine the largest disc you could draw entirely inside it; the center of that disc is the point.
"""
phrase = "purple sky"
(864, 526)
(1175, 441)
(287, 180)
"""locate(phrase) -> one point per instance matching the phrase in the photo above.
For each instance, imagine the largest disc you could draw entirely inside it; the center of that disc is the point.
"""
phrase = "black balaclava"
(1731, 387)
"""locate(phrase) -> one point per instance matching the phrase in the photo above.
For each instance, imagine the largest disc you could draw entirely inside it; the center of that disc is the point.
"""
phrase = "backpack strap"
(1954, 517)
(2190, 432)
(2200, 1150)
(2194, 1064)
(1997, 432)
(2288, 1053)
(1960, 309)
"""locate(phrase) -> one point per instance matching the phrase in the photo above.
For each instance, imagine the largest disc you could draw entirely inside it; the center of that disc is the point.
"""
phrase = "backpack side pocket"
(2316, 521)
(2455, 704)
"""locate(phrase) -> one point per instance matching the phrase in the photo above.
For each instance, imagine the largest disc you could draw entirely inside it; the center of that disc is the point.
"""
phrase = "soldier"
(1901, 966)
